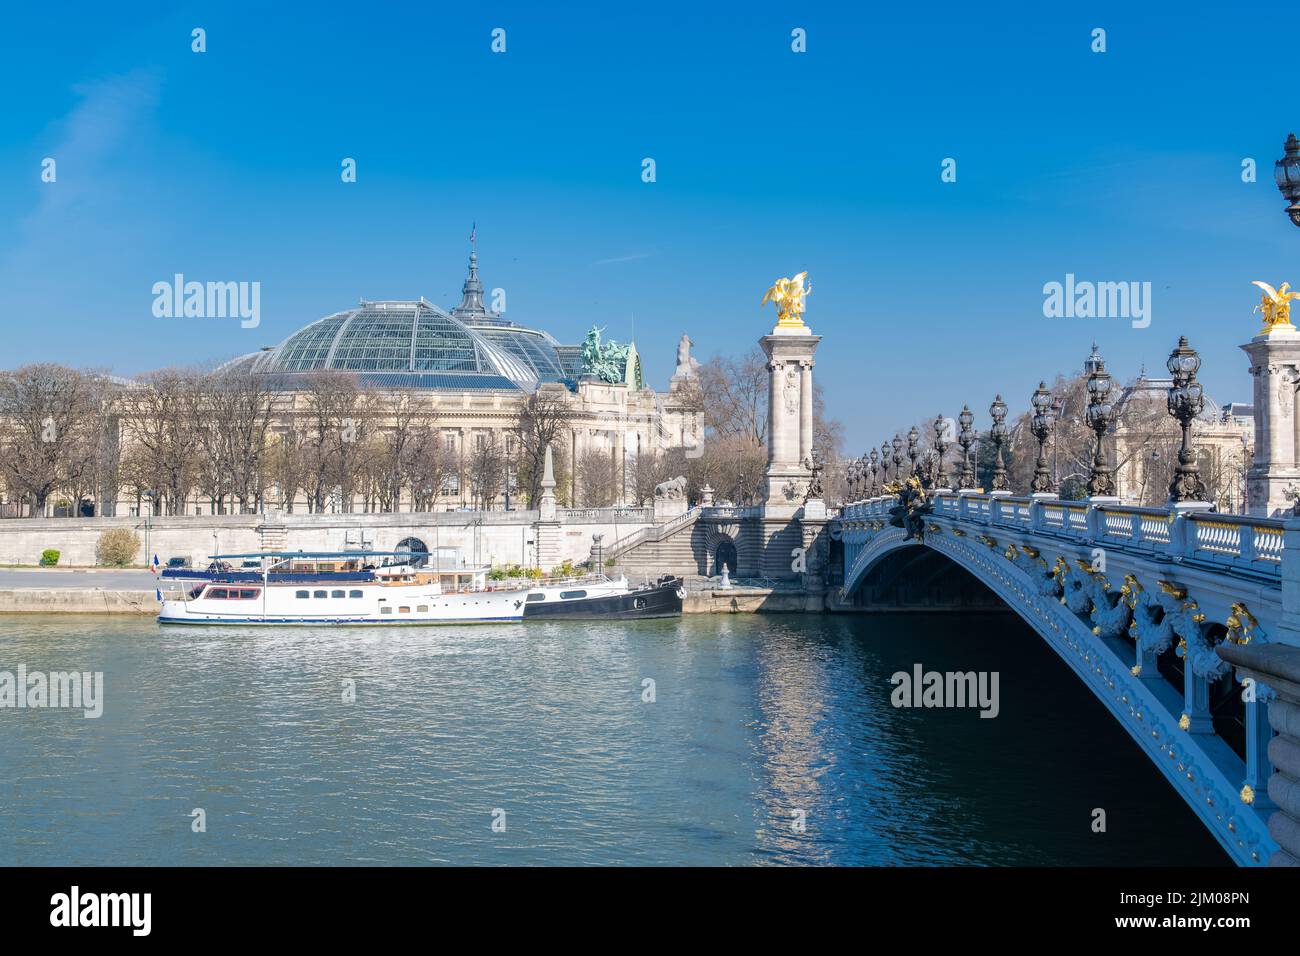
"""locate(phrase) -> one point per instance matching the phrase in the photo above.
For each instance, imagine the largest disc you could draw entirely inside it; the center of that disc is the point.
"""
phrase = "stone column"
(1274, 359)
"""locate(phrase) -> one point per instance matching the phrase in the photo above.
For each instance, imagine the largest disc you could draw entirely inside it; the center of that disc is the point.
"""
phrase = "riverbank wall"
(77, 601)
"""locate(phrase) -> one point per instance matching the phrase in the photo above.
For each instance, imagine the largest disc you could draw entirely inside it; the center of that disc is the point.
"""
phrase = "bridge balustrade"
(1230, 541)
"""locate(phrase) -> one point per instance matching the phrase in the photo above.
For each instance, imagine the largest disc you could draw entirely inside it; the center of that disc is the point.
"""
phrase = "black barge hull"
(662, 600)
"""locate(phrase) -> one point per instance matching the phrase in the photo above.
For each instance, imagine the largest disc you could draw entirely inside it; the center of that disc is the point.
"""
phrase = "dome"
(396, 344)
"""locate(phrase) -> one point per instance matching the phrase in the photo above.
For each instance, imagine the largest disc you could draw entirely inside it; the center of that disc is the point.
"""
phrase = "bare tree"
(597, 480)
(286, 465)
(233, 411)
(335, 428)
(648, 469)
(406, 422)
(160, 419)
(543, 418)
(430, 468)
(733, 396)
(48, 433)
(487, 469)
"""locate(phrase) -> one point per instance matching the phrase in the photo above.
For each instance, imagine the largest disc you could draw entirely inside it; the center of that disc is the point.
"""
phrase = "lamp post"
(1101, 414)
(1286, 172)
(1041, 426)
(940, 446)
(1186, 400)
(885, 454)
(913, 446)
(853, 479)
(898, 456)
(875, 466)
(966, 438)
(998, 433)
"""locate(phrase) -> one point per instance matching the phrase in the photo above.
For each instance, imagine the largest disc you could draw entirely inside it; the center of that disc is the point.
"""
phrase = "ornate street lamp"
(875, 466)
(913, 446)
(885, 454)
(1286, 172)
(1041, 426)
(966, 438)
(940, 446)
(999, 435)
(1186, 399)
(898, 456)
(1101, 414)
(853, 480)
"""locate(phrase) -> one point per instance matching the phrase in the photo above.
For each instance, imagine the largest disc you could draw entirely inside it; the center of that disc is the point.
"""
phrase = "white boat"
(343, 588)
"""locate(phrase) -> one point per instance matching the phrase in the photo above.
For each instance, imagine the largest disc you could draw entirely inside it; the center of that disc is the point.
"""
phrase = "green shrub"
(50, 557)
(116, 547)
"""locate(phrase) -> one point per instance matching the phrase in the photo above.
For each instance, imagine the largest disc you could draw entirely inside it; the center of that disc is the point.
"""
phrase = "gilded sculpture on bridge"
(788, 295)
(1275, 304)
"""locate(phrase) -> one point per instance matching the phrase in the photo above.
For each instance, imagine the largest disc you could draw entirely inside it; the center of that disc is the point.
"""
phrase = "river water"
(770, 739)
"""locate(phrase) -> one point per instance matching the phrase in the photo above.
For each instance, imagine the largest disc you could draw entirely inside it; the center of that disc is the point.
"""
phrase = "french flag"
(154, 568)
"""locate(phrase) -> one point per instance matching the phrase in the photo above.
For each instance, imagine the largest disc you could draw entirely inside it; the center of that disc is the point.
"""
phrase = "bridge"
(1138, 602)
(1184, 622)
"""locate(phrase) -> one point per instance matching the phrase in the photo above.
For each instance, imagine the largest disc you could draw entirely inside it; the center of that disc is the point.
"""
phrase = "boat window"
(638, 603)
(319, 594)
(353, 594)
(422, 608)
(217, 593)
(570, 595)
(385, 610)
(535, 597)
(304, 594)
(246, 594)
(404, 609)
(336, 594)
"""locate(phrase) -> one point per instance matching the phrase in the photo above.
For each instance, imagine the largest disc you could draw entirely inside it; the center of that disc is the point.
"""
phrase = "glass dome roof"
(416, 343)
(394, 344)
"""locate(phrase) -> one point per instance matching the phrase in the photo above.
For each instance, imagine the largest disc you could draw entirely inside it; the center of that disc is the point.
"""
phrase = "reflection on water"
(771, 739)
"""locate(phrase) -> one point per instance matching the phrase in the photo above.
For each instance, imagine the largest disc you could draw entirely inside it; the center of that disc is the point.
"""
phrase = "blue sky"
(1118, 166)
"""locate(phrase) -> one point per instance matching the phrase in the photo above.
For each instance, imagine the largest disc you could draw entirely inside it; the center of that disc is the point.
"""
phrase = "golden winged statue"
(1276, 306)
(788, 295)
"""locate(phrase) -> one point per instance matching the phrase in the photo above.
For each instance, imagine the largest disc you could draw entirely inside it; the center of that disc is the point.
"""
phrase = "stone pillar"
(1275, 669)
(789, 351)
(789, 362)
(1274, 360)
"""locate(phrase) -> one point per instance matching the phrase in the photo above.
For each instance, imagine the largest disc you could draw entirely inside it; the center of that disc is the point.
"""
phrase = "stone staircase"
(273, 533)
(669, 548)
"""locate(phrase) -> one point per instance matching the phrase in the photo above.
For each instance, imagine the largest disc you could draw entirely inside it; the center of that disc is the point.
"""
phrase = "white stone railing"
(605, 515)
(1229, 541)
(729, 511)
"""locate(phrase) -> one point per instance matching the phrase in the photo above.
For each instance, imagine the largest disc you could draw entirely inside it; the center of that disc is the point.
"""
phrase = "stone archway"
(725, 554)
(416, 546)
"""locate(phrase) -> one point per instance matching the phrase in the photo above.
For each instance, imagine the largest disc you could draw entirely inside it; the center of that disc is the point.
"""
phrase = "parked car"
(178, 562)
